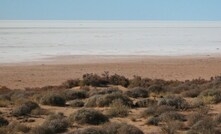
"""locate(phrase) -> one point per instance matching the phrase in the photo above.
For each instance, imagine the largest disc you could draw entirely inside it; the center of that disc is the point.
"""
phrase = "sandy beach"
(53, 71)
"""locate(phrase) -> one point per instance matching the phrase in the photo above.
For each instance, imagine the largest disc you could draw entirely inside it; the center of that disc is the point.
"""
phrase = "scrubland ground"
(114, 104)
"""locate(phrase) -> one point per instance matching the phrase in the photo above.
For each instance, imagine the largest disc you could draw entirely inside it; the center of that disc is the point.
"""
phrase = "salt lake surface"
(32, 40)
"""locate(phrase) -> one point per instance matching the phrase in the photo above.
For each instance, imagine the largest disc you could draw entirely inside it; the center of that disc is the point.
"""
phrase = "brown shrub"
(25, 108)
(145, 103)
(76, 103)
(88, 116)
(53, 100)
(121, 128)
(118, 80)
(74, 94)
(71, 83)
(118, 109)
(137, 92)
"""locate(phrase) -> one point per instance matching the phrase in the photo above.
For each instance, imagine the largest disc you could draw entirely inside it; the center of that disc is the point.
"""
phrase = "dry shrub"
(194, 118)
(192, 93)
(118, 80)
(170, 116)
(93, 80)
(211, 96)
(171, 127)
(3, 122)
(71, 83)
(118, 109)
(157, 89)
(145, 103)
(53, 100)
(76, 103)
(174, 101)
(88, 116)
(137, 92)
(156, 110)
(42, 130)
(57, 123)
(153, 121)
(121, 128)
(106, 100)
(14, 128)
(89, 130)
(25, 108)
(108, 90)
(74, 94)
(204, 126)
(218, 118)
(137, 81)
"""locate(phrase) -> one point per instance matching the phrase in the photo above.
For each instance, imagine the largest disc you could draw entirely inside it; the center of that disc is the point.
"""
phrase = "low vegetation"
(113, 104)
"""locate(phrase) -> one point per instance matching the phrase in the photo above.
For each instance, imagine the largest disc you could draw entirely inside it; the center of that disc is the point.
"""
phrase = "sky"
(193, 10)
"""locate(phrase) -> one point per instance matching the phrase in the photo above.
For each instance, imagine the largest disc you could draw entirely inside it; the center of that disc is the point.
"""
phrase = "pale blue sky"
(110, 10)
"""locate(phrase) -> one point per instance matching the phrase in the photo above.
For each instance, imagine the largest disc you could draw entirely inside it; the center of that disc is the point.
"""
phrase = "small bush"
(156, 110)
(18, 127)
(203, 126)
(171, 127)
(212, 96)
(169, 116)
(121, 128)
(25, 108)
(93, 80)
(53, 100)
(194, 117)
(71, 83)
(173, 101)
(42, 130)
(88, 116)
(118, 80)
(90, 130)
(191, 93)
(75, 94)
(137, 92)
(76, 103)
(157, 89)
(106, 100)
(145, 103)
(57, 123)
(117, 109)
(218, 118)
(153, 121)
(104, 91)
(3, 122)
(137, 81)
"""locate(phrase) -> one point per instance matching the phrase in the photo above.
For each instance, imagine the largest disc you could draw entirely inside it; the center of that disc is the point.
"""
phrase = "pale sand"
(53, 71)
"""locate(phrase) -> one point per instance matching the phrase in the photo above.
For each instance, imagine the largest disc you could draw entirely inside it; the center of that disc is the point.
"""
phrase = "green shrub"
(76, 103)
(121, 128)
(137, 92)
(3, 122)
(117, 109)
(145, 103)
(25, 108)
(53, 100)
(88, 116)
(173, 101)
